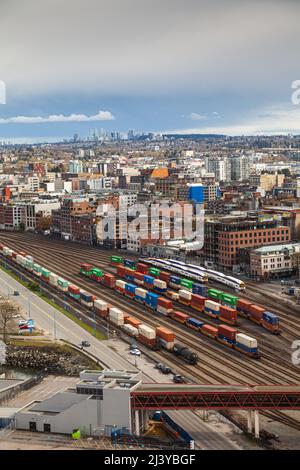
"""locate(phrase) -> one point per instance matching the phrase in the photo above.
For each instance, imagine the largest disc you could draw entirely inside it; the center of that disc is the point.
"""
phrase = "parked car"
(163, 368)
(85, 344)
(135, 352)
(133, 346)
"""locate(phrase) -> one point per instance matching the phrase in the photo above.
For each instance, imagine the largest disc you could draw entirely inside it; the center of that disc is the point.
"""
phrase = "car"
(133, 346)
(85, 344)
(178, 379)
(165, 370)
(159, 365)
(135, 352)
(16, 292)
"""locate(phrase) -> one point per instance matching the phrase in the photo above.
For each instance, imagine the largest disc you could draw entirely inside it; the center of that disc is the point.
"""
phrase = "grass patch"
(32, 287)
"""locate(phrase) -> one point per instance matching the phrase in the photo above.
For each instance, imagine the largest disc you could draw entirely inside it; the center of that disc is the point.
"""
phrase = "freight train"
(164, 306)
(152, 338)
(139, 273)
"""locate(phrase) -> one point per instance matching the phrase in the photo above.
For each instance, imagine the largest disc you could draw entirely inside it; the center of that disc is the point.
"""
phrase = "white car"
(135, 352)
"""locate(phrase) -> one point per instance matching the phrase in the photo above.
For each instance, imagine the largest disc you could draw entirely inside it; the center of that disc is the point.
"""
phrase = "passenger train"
(197, 272)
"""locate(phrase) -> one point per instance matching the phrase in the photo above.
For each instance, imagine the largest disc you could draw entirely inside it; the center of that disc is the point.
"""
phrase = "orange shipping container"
(165, 334)
(132, 321)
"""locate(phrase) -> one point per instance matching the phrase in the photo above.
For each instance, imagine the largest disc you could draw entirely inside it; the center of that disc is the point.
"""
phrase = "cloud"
(196, 117)
(100, 116)
(276, 119)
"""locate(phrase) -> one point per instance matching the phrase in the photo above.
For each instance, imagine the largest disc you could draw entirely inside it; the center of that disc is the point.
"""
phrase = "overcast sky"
(176, 65)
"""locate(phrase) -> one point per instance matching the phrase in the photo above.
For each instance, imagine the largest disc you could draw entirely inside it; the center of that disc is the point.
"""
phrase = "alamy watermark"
(2, 92)
(151, 222)
(296, 352)
(296, 93)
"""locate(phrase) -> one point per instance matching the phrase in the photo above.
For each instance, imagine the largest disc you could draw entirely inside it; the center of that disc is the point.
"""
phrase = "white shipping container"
(185, 294)
(246, 340)
(159, 283)
(120, 283)
(213, 305)
(141, 292)
(30, 258)
(117, 321)
(146, 331)
(131, 330)
(163, 310)
(116, 313)
(138, 281)
(6, 250)
(101, 305)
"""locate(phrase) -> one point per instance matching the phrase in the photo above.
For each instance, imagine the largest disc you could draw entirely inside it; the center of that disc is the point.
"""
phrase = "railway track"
(216, 364)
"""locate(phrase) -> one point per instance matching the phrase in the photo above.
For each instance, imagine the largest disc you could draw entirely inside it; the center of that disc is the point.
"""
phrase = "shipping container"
(150, 343)
(200, 289)
(130, 263)
(246, 340)
(194, 323)
(229, 300)
(215, 294)
(243, 306)
(210, 331)
(180, 316)
(154, 272)
(101, 307)
(184, 294)
(146, 331)
(109, 280)
(142, 268)
(227, 334)
(175, 281)
(139, 278)
(151, 300)
(256, 313)
(212, 308)
(164, 276)
(172, 295)
(198, 302)
(133, 321)
(130, 290)
(121, 271)
(164, 306)
(140, 294)
(130, 330)
(186, 283)
(148, 279)
(164, 333)
(228, 315)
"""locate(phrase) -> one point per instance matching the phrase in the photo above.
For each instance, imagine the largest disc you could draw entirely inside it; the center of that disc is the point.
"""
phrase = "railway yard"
(217, 364)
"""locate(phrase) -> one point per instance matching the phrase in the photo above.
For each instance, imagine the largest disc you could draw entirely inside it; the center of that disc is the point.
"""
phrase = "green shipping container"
(154, 271)
(186, 283)
(229, 300)
(45, 272)
(116, 259)
(62, 282)
(215, 294)
(97, 272)
(37, 268)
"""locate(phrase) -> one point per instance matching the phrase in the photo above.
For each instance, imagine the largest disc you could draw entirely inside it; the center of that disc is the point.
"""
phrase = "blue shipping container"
(246, 348)
(86, 297)
(130, 263)
(195, 322)
(151, 299)
(129, 277)
(224, 338)
(175, 279)
(199, 289)
(149, 279)
(210, 310)
(130, 287)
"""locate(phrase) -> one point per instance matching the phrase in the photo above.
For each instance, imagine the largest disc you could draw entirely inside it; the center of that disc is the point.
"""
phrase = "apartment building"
(270, 261)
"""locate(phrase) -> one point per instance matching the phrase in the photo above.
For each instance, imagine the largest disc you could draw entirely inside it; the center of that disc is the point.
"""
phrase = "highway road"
(55, 324)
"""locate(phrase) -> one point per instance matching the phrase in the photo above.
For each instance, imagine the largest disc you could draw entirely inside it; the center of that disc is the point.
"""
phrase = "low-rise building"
(270, 261)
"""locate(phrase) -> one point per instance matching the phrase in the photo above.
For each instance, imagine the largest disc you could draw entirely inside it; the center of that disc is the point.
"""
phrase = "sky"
(186, 66)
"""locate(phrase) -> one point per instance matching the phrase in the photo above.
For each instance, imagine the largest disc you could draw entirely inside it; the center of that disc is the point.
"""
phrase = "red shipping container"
(197, 301)
(120, 289)
(74, 289)
(243, 304)
(165, 303)
(147, 341)
(109, 280)
(209, 330)
(164, 276)
(256, 311)
(180, 317)
(139, 276)
(165, 334)
(132, 321)
(228, 314)
(142, 268)
(86, 267)
(121, 271)
(22, 253)
(14, 254)
(227, 331)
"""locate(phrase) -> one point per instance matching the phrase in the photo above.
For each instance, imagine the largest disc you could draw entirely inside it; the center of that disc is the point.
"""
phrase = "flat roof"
(6, 384)
(156, 387)
(266, 249)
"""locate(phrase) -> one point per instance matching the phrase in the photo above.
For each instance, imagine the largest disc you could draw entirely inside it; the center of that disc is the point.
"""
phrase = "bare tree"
(7, 311)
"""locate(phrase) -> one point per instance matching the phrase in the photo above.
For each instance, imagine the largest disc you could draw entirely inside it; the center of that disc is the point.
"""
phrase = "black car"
(178, 379)
(85, 344)
(165, 370)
